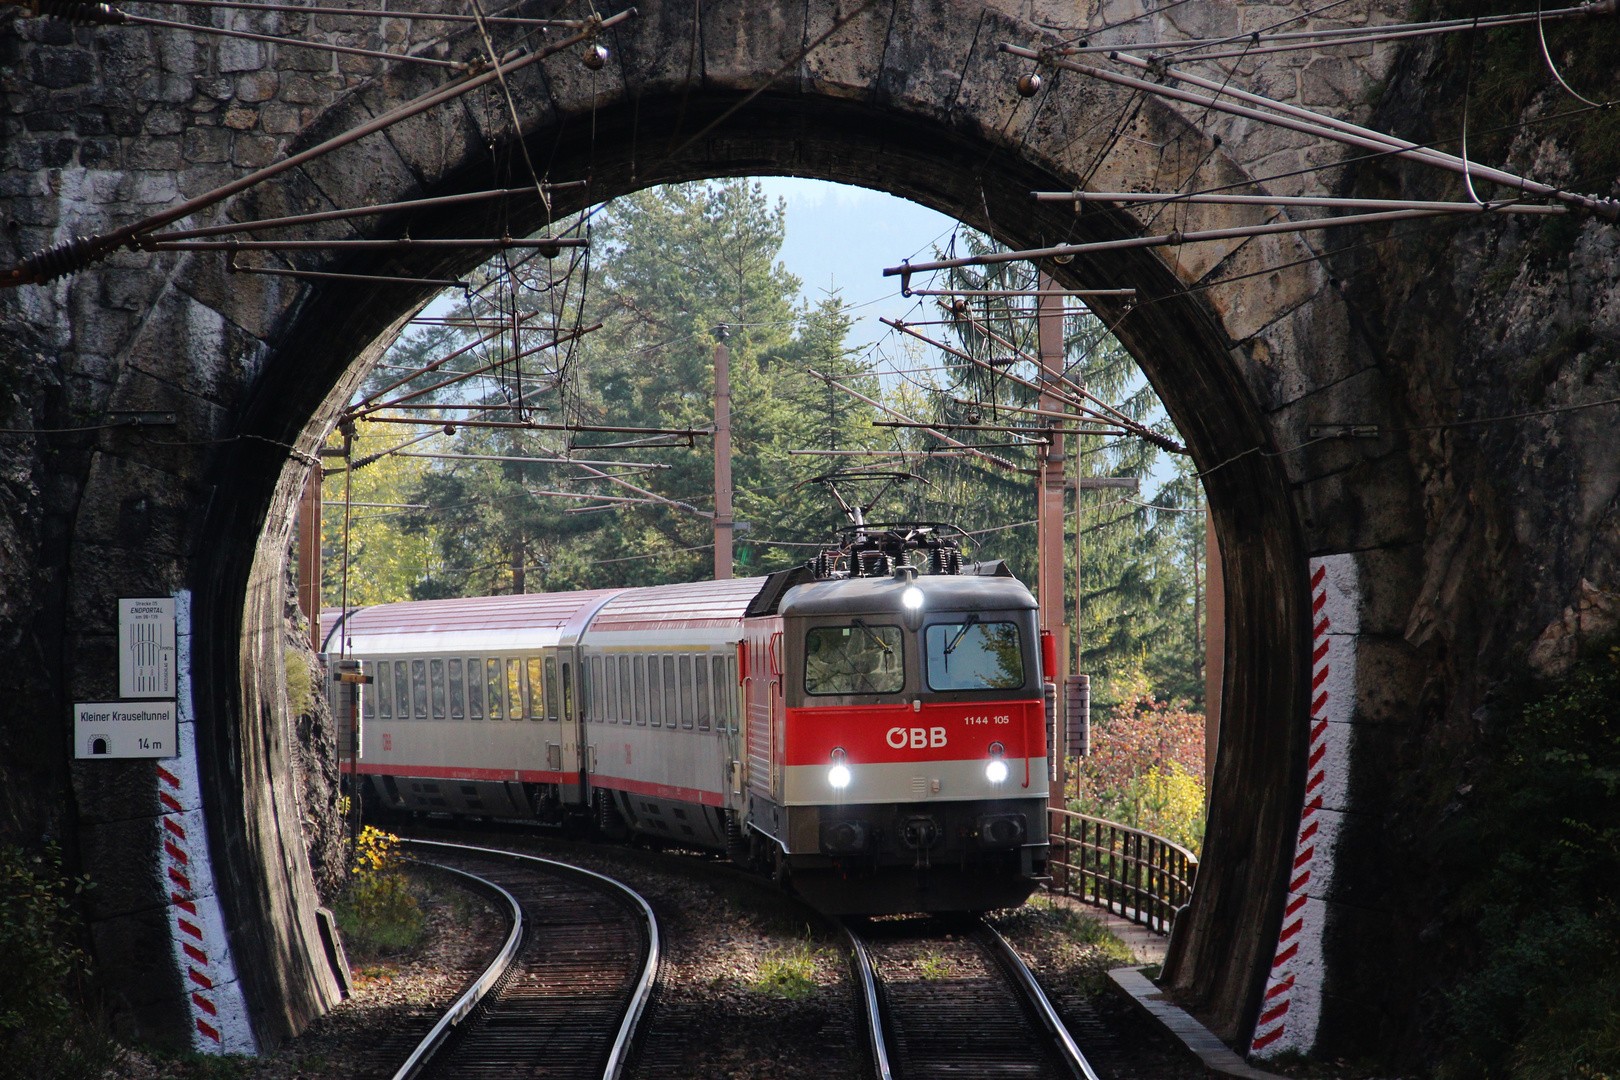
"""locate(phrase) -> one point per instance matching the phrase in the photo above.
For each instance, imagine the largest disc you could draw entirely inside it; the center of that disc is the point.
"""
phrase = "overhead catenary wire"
(1306, 122)
(72, 255)
(362, 12)
(1154, 197)
(1599, 7)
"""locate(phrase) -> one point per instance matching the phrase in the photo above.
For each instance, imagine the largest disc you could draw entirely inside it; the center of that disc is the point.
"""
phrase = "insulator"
(595, 57)
(58, 261)
(1029, 85)
(78, 12)
(550, 251)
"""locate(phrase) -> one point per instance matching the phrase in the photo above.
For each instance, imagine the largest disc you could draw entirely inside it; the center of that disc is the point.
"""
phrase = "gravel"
(753, 984)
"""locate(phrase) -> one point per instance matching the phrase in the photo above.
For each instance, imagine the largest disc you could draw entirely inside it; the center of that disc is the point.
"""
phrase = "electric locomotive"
(871, 736)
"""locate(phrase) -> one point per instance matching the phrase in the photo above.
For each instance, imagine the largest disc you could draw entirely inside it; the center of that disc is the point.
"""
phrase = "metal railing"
(1134, 874)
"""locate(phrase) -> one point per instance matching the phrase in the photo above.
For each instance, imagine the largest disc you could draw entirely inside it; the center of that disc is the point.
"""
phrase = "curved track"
(961, 1004)
(564, 996)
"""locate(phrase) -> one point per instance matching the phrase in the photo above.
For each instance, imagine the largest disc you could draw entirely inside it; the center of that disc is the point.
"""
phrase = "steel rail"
(1004, 956)
(618, 1056)
(1036, 997)
(469, 999)
(866, 979)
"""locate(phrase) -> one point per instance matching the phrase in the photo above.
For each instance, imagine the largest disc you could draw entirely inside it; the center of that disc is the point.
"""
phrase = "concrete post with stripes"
(197, 931)
(1291, 1009)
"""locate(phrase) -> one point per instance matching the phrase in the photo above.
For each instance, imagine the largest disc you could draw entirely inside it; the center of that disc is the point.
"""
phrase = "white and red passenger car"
(878, 740)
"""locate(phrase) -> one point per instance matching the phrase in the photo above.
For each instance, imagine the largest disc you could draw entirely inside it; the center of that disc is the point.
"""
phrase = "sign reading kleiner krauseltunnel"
(124, 729)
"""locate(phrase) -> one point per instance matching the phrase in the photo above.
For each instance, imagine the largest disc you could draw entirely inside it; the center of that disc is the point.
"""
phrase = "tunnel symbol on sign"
(98, 745)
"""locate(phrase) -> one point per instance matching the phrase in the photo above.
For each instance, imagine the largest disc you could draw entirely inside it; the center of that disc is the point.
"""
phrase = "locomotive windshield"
(974, 655)
(854, 659)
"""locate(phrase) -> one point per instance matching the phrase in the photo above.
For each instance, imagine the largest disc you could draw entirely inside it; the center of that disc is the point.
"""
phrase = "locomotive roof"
(941, 592)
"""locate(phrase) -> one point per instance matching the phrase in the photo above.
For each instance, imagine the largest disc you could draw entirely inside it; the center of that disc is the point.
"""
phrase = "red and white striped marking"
(196, 923)
(1291, 1008)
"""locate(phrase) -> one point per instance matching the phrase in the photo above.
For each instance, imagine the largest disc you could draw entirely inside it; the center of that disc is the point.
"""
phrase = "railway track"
(960, 1004)
(564, 995)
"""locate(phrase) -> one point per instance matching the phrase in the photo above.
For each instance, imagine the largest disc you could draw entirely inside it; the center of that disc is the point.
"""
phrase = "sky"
(844, 236)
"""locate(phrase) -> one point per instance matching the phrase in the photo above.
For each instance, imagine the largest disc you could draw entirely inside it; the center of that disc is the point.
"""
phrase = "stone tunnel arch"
(913, 100)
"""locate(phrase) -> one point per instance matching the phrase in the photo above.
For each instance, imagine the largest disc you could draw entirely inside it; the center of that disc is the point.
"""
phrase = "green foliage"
(670, 266)
(933, 965)
(45, 1033)
(300, 681)
(789, 972)
(377, 911)
(1139, 576)
(1146, 769)
(1539, 839)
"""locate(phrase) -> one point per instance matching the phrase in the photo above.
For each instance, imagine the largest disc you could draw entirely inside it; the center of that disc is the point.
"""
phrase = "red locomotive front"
(902, 718)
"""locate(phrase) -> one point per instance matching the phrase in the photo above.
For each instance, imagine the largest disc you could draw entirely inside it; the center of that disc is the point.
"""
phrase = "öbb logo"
(917, 738)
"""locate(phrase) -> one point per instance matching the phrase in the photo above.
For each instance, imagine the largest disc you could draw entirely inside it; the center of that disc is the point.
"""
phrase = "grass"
(933, 965)
(788, 973)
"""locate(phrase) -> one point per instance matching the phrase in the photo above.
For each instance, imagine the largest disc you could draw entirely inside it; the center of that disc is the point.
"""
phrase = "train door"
(773, 652)
(576, 751)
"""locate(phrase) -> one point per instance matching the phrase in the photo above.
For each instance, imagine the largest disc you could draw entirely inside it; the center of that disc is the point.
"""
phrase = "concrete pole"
(309, 555)
(1214, 647)
(1049, 512)
(722, 454)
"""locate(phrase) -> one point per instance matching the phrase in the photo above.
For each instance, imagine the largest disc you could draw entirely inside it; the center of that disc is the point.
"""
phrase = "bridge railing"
(1134, 874)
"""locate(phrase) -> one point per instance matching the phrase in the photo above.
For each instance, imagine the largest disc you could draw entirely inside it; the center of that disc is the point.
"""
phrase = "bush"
(1538, 840)
(1146, 767)
(377, 911)
(45, 1033)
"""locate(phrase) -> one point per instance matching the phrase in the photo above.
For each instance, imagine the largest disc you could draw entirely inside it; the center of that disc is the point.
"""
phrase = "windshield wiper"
(858, 624)
(973, 617)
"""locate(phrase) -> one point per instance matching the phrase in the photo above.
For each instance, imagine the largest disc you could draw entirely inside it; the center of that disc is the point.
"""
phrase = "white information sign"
(146, 648)
(123, 729)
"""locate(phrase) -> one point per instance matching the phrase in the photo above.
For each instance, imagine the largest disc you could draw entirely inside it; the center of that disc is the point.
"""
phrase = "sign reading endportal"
(146, 648)
(124, 729)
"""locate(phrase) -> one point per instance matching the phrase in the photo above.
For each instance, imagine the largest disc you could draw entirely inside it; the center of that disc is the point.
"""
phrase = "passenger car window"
(492, 682)
(402, 690)
(700, 678)
(655, 692)
(385, 690)
(514, 688)
(419, 689)
(974, 655)
(456, 711)
(436, 683)
(854, 659)
(475, 688)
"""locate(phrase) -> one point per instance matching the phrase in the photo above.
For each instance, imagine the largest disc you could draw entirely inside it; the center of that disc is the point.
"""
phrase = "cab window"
(854, 659)
(974, 655)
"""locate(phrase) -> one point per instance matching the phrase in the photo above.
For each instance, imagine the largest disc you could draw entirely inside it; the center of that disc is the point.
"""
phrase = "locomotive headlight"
(838, 775)
(912, 598)
(995, 770)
